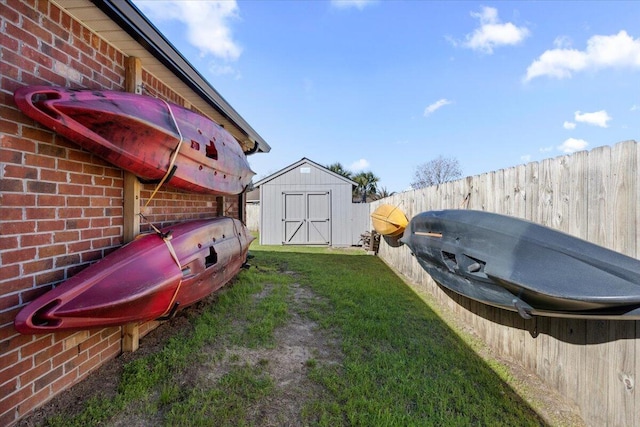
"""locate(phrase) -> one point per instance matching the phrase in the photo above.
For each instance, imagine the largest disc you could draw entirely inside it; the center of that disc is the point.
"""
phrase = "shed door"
(307, 218)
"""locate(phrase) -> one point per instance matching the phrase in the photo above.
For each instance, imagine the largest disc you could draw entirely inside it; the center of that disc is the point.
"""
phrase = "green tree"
(340, 170)
(367, 185)
(383, 192)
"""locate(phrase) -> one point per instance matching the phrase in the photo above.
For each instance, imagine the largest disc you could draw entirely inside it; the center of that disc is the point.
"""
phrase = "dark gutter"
(131, 20)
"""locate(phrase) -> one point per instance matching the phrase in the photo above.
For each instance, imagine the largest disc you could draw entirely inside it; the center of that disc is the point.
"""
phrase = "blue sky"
(388, 85)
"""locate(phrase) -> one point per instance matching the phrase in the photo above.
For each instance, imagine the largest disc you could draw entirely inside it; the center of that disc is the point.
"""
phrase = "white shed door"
(307, 218)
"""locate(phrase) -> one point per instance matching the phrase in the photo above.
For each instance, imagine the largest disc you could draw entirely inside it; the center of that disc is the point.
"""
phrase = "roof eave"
(131, 20)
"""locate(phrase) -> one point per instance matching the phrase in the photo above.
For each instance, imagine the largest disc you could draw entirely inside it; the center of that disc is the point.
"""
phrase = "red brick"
(40, 239)
(46, 380)
(9, 14)
(70, 166)
(50, 200)
(70, 189)
(64, 382)
(94, 191)
(14, 185)
(8, 127)
(76, 178)
(9, 271)
(19, 255)
(10, 156)
(100, 201)
(78, 201)
(11, 214)
(38, 134)
(18, 199)
(17, 227)
(33, 401)
(64, 261)
(37, 30)
(80, 246)
(52, 77)
(93, 212)
(65, 236)
(9, 301)
(42, 187)
(30, 375)
(88, 366)
(17, 284)
(48, 353)
(37, 266)
(92, 256)
(15, 370)
(39, 161)
(63, 357)
(40, 213)
(9, 387)
(51, 250)
(36, 346)
(51, 225)
(12, 400)
(18, 171)
(25, 65)
(53, 175)
(47, 278)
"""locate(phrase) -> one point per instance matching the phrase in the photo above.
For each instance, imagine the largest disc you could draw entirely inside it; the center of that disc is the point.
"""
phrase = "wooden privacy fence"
(592, 195)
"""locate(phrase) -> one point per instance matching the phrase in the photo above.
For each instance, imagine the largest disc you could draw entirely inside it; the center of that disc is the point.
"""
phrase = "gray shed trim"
(300, 163)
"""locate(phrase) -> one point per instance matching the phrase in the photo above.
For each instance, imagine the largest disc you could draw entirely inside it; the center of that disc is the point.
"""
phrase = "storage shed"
(308, 204)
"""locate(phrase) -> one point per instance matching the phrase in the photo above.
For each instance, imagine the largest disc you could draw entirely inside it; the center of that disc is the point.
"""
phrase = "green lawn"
(400, 366)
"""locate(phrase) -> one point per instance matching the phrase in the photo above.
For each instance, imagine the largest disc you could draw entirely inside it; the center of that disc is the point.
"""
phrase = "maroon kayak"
(142, 280)
(140, 133)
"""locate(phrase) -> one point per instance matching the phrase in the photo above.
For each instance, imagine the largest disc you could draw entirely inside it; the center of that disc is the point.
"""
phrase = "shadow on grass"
(403, 365)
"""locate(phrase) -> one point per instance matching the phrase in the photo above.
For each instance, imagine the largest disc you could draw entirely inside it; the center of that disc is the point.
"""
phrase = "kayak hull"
(525, 267)
(140, 133)
(142, 281)
(389, 220)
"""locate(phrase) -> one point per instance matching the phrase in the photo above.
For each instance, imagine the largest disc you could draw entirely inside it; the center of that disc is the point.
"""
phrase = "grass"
(402, 365)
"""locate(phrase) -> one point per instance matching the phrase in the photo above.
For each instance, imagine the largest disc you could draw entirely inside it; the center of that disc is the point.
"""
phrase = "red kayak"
(143, 280)
(140, 134)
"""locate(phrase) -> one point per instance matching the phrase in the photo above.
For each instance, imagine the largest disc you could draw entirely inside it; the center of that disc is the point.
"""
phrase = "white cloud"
(348, 4)
(546, 149)
(492, 33)
(615, 51)
(569, 125)
(208, 23)
(635, 107)
(436, 105)
(572, 145)
(598, 118)
(359, 165)
(526, 158)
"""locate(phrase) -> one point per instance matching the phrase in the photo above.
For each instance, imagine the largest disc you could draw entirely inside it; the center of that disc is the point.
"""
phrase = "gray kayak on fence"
(522, 266)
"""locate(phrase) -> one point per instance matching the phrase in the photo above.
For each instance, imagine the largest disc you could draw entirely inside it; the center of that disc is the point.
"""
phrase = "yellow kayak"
(389, 220)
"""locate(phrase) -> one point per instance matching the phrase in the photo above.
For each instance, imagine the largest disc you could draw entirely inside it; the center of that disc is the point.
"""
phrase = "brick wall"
(61, 208)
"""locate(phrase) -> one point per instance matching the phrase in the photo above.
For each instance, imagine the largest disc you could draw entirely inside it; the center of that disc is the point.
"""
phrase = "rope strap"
(173, 157)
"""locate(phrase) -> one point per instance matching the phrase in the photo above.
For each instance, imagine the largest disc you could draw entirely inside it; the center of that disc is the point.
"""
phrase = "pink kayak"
(143, 280)
(140, 134)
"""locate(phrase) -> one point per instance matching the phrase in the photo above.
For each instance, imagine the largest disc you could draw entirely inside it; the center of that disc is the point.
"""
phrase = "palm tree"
(340, 170)
(383, 192)
(367, 185)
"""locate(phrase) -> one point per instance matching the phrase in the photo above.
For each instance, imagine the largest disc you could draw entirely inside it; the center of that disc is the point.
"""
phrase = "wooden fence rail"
(592, 195)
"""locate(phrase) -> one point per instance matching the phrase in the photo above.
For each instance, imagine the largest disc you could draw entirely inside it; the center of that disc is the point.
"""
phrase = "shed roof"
(128, 30)
(300, 163)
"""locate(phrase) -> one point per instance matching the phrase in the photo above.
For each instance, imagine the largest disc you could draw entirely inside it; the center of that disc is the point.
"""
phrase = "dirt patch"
(299, 345)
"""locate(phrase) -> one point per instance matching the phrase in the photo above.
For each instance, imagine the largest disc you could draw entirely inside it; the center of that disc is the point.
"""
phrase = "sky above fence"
(387, 85)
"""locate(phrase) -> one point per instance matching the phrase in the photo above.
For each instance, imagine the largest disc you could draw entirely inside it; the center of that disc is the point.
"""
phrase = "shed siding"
(305, 178)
